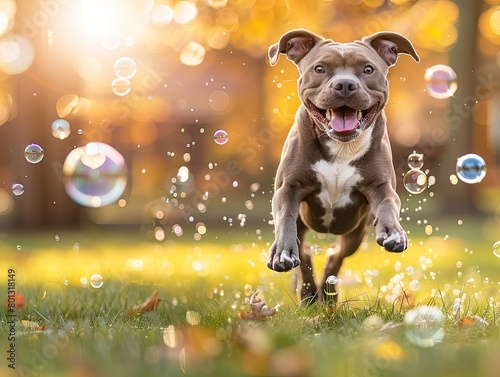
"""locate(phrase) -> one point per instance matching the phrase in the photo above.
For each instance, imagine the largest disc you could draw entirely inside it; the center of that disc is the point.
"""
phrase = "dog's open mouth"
(343, 121)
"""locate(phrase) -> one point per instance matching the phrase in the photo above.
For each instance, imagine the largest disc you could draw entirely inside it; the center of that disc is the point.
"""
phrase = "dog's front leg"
(284, 252)
(385, 206)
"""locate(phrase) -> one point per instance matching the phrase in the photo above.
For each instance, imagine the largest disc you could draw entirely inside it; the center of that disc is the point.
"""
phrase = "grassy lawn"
(69, 328)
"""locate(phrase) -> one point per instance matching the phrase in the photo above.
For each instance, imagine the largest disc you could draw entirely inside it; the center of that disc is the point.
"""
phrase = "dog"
(336, 173)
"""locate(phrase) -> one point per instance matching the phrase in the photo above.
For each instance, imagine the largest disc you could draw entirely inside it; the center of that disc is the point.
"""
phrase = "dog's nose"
(345, 87)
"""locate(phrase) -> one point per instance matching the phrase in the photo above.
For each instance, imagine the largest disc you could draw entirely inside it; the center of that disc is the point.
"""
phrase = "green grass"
(205, 285)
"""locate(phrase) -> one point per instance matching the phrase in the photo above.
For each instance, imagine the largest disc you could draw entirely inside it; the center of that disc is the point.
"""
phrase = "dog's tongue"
(343, 119)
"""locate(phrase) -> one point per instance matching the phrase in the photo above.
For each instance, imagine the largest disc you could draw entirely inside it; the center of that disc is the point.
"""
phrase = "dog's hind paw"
(395, 242)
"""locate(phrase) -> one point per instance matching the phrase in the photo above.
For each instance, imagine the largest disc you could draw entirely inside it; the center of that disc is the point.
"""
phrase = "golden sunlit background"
(165, 114)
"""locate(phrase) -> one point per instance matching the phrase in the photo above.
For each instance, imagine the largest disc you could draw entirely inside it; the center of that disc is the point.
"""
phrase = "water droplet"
(94, 175)
(121, 87)
(415, 161)
(471, 168)
(96, 281)
(221, 137)
(17, 189)
(415, 181)
(33, 153)
(60, 129)
(125, 68)
(441, 81)
(424, 326)
(496, 249)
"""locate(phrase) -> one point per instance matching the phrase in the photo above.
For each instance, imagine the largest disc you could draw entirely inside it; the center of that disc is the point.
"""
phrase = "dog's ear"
(295, 44)
(389, 44)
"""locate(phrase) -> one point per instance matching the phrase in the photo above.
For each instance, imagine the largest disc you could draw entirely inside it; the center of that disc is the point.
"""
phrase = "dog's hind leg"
(306, 286)
(345, 246)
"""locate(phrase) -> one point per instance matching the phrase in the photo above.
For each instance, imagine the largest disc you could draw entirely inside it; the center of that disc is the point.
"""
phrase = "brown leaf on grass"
(151, 303)
(32, 326)
(471, 321)
(258, 308)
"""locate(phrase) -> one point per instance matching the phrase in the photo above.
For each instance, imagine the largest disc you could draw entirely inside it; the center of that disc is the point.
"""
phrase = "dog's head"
(343, 86)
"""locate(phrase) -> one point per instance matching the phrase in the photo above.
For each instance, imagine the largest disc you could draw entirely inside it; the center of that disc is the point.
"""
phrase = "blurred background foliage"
(201, 66)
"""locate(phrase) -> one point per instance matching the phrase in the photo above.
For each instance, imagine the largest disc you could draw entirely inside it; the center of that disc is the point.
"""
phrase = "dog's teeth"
(359, 115)
(328, 114)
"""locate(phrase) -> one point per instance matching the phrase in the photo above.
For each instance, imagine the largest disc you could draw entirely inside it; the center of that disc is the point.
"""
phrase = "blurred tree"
(463, 58)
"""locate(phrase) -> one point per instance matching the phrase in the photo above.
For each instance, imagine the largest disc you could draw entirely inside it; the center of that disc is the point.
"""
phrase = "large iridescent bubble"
(94, 175)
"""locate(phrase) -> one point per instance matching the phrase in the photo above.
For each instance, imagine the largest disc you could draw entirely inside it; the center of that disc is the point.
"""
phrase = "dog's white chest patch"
(337, 181)
(338, 178)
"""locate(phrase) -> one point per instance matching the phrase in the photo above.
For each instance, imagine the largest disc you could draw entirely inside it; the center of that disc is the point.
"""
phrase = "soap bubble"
(332, 279)
(96, 281)
(221, 137)
(496, 249)
(33, 153)
(441, 81)
(94, 175)
(415, 161)
(121, 87)
(17, 189)
(60, 129)
(424, 326)
(415, 181)
(471, 168)
(125, 68)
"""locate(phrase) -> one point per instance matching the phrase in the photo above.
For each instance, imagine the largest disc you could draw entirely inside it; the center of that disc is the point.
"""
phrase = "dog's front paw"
(393, 240)
(283, 256)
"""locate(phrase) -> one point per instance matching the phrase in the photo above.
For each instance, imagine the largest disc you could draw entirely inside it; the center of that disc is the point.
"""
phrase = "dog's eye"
(319, 69)
(368, 69)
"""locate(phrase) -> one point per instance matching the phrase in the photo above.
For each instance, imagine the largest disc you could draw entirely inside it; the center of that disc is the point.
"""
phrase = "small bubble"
(441, 81)
(17, 189)
(221, 137)
(125, 68)
(415, 181)
(33, 153)
(121, 87)
(424, 326)
(96, 281)
(415, 161)
(18, 247)
(496, 249)
(471, 168)
(60, 129)
(332, 279)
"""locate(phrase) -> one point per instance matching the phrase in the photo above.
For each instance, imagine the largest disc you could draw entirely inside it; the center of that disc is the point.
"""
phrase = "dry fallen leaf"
(151, 303)
(32, 326)
(258, 308)
(471, 321)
